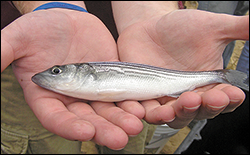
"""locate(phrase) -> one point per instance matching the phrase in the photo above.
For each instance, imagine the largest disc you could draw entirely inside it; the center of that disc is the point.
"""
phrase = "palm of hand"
(182, 46)
(59, 39)
(162, 42)
(45, 38)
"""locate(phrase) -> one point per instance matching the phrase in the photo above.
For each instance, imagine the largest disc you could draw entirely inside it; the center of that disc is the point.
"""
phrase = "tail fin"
(237, 78)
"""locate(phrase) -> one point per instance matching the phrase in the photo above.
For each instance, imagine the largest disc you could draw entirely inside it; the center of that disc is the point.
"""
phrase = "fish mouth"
(41, 81)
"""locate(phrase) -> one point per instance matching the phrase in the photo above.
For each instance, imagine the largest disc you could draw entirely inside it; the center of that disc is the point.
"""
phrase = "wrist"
(127, 13)
(28, 6)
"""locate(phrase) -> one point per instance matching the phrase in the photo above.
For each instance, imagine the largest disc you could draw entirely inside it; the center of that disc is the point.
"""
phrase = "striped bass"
(118, 81)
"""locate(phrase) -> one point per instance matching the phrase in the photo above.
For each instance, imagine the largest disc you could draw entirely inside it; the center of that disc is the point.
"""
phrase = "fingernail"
(168, 121)
(216, 107)
(119, 149)
(192, 108)
(235, 101)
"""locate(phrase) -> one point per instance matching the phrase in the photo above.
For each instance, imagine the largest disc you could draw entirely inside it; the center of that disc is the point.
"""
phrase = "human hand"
(185, 40)
(41, 39)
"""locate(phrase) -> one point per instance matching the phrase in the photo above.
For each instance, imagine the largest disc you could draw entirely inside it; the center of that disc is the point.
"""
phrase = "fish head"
(61, 78)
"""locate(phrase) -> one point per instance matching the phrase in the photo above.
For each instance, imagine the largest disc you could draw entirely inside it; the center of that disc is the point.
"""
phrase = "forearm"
(28, 6)
(127, 13)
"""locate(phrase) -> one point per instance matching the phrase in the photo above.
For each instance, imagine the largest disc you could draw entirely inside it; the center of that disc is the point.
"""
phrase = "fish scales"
(118, 81)
(139, 81)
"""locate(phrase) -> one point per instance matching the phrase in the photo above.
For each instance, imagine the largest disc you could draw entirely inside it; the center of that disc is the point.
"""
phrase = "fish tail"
(237, 78)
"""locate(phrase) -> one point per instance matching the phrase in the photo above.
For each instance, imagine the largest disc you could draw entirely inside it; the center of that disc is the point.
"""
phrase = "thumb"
(237, 28)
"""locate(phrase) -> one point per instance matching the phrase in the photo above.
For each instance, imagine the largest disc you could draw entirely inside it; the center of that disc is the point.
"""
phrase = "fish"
(119, 81)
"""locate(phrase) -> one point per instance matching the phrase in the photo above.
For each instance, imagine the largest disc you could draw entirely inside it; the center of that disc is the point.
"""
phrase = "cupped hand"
(185, 40)
(38, 40)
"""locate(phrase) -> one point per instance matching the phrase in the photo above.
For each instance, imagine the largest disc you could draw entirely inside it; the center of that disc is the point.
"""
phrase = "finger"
(214, 101)
(236, 97)
(132, 107)
(186, 108)
(107, 134)
(56, 118)
(157, 113)
(238, 29)
(128, 122)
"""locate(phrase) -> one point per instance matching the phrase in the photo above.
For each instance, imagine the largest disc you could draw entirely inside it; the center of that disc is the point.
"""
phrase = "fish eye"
(56, 70)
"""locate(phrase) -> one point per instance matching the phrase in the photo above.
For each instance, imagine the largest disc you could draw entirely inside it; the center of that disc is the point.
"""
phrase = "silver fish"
(118, 81)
